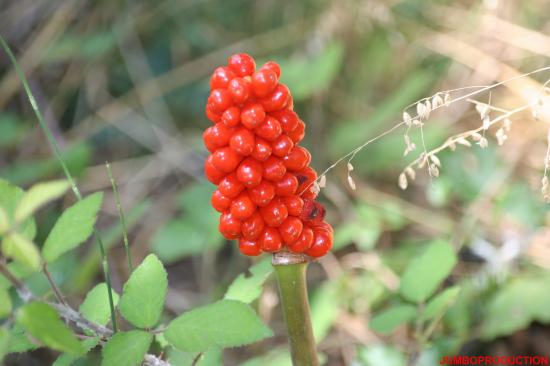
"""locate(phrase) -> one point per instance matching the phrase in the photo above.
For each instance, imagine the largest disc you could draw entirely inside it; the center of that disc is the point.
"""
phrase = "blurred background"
(127, 82)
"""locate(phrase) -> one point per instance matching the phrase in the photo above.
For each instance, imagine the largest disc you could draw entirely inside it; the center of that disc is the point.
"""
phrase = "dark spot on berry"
(301, 178)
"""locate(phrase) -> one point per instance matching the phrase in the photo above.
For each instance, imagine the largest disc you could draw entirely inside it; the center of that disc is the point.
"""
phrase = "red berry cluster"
(263, 176)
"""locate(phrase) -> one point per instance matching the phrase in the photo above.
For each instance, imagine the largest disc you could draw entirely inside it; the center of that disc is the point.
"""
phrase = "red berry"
(242, 142)
(286, 186)
(217, 136)
(250, 172)
(323, 225)
(253, 227)
(212, 173)
(274, 213)
(219, 201)
(322, 243)
(291, 229)
(242, 207)
(211, 114)
(277, 99)
(297, 134)
(225, 159)
(282, 146)
(313, 212)
(305, 177)
(229, 226)
(274, 169)
(304, 242)
(262, 194)
(239, 89)
(262, 150)
(270, 240)
(294, 205)
(297, 159)
(252, 115)
(220, 99)
(241, 64)
(270, 129)
(264, 81)
(230, 186)
(287, 118)
(221, 77)
(231, 117)
(273, 66)
(249, 247)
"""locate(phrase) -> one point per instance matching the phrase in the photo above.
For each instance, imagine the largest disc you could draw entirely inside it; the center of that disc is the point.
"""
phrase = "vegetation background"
(127, 81)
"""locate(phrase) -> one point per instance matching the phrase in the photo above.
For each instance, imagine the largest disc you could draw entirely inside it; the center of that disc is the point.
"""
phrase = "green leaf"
(21, 249)
(19, 342)
(126, 348)
(96, 306)
(517, 304)
(379, 354)
(4, 342)
(226, 323)
(10, 196)
(426, 272)
(4, 221)
(43, 322)
(73, 227)
(143, 296)
(37, 196)
(5, 303)
(247, 287)
(440, 303)
(389, 319)
(69, 359)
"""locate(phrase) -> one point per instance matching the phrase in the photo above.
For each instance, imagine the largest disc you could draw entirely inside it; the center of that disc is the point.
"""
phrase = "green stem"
(291, 275)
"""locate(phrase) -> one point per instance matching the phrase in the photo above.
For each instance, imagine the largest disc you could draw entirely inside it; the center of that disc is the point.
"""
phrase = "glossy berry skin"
(220, 99)
(270, 240)
(287, 118)
(231, 117)
(229, 226)
(274, 213)
(239, 89)
(220, 202)
(262, 150)
(217, 136)
(274, 169)
(242, 207)
(286, 186)
(242, 142)
(211, 114)
(304, 241)
(294, 205)
(253, 227)
(305, 177)
(249, 247)
(273, 66)
(264, 81)
(282, 146)
(297, 159)
(270, 129)
(298, 133)
(221, 77)
(252, 115)
(242, 64)
(291, 229)
(250, 172)
(230, 186)
(322, 242)
(212, 173)
(313, 212)
(262, 194)
(277, 99)
(226, 159)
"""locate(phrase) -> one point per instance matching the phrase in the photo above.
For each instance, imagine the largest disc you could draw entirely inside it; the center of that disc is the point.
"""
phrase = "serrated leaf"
(5, 303)
(389, 319)
(37, 196)
(73, 227)
(96, 306)
(426, 272)
(143, 296)
(44, 324)
(126, 348)
(22, 250)
(247, 287)
(68, 359)
(441, 302)
(226, 323)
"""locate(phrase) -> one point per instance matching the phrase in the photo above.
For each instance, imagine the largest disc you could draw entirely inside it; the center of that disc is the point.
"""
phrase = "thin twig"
(54, 287)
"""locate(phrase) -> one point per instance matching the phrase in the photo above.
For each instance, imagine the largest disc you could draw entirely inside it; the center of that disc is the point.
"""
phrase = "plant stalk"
(291, 275)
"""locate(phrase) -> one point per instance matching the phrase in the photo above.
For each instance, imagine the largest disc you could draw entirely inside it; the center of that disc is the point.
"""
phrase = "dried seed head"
(464, 142)
(476, 136)
(486, 122)
(483, 143)
(351, 183)
(437, 101)
(407, 119)
(434, 170)
(402, 181)
(435, 160)
(315, 188)
(447, 99)
(350, 167)
(422, 160)
(323, 181)
(417, 123)
(483, 110)
(410, 172)
(452, 146)
(507, 124)
(501, 136)
(423, 110)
